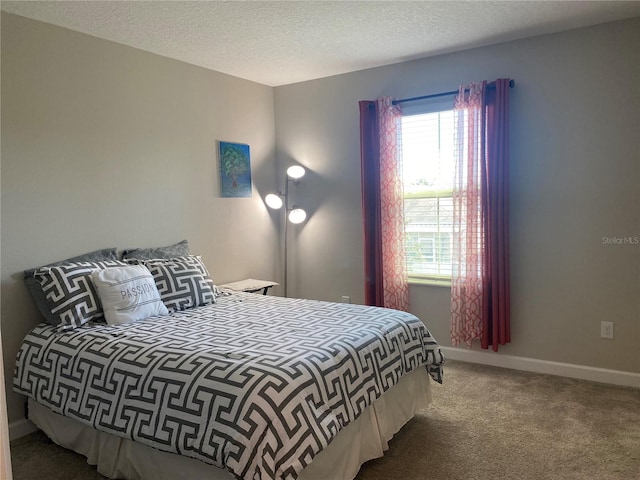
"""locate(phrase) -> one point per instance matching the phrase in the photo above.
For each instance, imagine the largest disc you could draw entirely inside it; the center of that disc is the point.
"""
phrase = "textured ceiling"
(282, 42)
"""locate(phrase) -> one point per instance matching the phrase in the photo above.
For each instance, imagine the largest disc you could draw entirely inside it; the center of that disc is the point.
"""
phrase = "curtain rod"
(444, 94)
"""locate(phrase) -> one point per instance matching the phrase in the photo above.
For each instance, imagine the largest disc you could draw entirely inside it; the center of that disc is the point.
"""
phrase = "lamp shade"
(296, 171)
(297, 215)
(273, 201)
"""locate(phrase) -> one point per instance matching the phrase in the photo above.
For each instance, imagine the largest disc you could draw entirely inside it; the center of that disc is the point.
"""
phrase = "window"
(428, 170)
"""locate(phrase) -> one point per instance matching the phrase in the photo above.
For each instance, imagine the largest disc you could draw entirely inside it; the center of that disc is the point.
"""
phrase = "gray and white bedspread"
(254, 384)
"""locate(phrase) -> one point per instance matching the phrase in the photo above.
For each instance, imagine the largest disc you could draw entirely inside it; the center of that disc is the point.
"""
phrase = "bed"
(248, 387)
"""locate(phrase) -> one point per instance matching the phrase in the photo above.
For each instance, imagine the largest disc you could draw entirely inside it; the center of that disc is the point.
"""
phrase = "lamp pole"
(286, 235)
(293, 215)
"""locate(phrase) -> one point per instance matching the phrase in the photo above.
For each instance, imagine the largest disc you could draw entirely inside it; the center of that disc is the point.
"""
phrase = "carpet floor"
(484, 423)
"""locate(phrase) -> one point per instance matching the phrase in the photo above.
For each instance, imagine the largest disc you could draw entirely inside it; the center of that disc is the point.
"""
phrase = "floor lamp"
(293, 214)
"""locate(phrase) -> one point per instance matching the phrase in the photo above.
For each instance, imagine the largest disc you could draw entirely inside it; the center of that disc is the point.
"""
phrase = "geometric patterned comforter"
(254, 384)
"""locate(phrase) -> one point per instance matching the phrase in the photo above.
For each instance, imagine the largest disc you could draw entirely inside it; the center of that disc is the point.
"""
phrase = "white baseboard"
(594, 374)
(20, 428)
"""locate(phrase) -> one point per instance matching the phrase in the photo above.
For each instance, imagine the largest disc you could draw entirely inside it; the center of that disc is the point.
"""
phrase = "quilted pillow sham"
(183, 282)
(35, 289)
(128, 294)
(70, 294)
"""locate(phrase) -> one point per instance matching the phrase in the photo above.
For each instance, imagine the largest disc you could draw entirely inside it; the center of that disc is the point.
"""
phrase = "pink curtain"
(386, 281)
(467, 276)
(480, 300)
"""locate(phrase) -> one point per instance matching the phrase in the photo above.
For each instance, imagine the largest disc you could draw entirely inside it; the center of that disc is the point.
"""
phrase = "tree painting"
(235, 169)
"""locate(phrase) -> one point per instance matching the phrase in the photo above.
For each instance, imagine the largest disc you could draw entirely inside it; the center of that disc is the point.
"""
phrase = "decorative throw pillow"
(35, 290)
(128, 294)
(69, 292)
(183, 282)
(180, 249)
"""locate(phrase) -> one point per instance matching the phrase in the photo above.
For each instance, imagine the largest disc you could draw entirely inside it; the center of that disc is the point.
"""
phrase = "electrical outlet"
(606, 329)
(346, 299)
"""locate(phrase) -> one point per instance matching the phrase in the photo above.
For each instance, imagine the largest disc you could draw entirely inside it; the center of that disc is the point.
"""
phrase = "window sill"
(430, 281)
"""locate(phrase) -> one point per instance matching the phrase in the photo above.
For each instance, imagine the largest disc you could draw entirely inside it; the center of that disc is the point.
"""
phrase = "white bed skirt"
(364, 439)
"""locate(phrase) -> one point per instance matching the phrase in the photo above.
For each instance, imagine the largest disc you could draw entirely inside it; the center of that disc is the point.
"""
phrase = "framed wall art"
(235, 169)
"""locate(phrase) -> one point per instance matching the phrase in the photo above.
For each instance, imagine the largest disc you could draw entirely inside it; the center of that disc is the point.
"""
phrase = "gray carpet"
(484, 423)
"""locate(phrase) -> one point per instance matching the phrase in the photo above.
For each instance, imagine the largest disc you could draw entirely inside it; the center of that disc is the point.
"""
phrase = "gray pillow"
(35, 289)
(180, 249)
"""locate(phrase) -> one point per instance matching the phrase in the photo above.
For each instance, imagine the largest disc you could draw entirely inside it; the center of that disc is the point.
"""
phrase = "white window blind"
(428, 170)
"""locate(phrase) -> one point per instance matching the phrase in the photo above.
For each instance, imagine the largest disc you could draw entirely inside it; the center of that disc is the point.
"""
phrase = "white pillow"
(128, 294)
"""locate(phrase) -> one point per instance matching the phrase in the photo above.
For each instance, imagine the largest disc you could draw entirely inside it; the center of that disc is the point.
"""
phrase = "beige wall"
(108, 146)
(575, 178)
